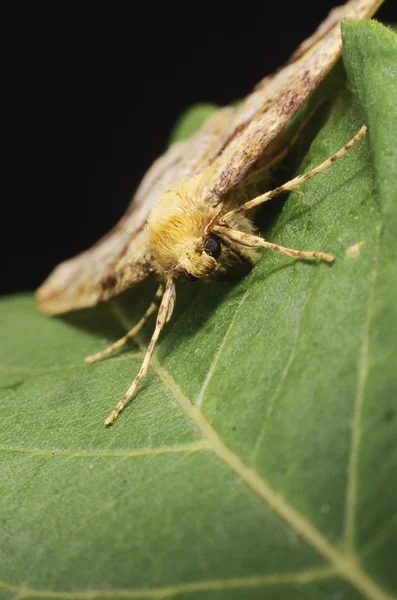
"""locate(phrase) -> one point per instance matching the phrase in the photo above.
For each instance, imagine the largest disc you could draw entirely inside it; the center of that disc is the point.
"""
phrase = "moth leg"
(255, 241)
(152, 308)
(164, 314)
(297, 181)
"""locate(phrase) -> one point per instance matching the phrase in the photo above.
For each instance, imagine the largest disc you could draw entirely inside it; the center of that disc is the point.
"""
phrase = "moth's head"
(212, 257)
(183, 242)
(200, 259)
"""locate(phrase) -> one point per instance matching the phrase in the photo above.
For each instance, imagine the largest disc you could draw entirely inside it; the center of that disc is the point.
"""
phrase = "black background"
(92, 90)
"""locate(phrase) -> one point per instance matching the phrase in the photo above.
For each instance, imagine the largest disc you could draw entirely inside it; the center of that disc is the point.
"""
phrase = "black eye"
(212, 246)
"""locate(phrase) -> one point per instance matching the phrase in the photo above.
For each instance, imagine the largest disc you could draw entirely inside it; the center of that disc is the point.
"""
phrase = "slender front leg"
(254, 241)
(297, 181)
(164, 314)
(152, 308)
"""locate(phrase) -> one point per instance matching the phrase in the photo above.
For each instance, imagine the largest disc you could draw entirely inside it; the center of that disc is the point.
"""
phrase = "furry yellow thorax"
(178, 228)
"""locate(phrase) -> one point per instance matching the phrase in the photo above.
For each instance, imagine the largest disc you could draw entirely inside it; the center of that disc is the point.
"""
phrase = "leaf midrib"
(345, 564)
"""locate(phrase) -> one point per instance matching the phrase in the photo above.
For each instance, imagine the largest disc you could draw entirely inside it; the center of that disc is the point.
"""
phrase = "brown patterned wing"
(231, 141)
(264, 113)
(120, 259)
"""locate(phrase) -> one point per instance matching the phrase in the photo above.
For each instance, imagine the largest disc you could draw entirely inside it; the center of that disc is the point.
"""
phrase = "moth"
(192, 213)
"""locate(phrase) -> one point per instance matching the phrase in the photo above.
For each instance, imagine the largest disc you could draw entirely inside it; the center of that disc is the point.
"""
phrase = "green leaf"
(258, 459)
(191, 120)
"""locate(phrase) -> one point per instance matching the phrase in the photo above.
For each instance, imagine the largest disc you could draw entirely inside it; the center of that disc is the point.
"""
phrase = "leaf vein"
(284, 374)
(170, 591)
(220, 349)
(352, 483)
(178, 448)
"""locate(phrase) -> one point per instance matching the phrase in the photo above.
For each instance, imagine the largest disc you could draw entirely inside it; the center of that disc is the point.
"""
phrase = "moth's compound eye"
(212, 246)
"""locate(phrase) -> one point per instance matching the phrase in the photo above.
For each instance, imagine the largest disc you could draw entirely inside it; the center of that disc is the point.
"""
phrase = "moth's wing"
(115, 263)
(120, 259)
(264, 113)
(195, 153)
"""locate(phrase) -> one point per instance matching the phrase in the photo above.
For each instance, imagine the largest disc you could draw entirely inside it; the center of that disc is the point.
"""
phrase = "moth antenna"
(133, 331)
(297, 181)
(255, 241)
(164, 314)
